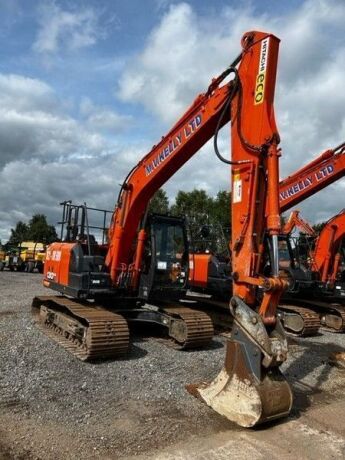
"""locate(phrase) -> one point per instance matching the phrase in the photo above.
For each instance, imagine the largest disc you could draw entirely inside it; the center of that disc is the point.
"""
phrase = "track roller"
(334, 319)
(87, 331)
(189, 328)
(299, 321)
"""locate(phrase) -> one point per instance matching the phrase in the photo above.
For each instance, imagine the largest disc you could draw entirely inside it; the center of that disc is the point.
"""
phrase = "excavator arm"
(250, 388)
(295, 220)
(325, 257)
(313, 177)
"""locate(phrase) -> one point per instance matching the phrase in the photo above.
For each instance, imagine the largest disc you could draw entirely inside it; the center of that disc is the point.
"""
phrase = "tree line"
(208, 218)
(37, 230)
(197, 206)
(205, 215)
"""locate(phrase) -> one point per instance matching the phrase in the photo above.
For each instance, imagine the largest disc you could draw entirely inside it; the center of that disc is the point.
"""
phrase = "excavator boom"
(295, 220)
(324, 256)
(192, 131)
(313, 177)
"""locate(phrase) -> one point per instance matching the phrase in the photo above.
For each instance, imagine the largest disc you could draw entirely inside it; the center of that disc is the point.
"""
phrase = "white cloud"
(103, 119)
(30, 186)
(71, 29)
(33, 124)
(26, 93)
(47, 155)
(186, 50)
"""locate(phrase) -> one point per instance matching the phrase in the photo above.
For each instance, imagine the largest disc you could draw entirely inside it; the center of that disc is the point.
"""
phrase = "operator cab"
(76, 265)
(165, 262)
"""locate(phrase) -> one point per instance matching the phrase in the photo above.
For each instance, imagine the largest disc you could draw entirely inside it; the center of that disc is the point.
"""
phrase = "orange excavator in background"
(145, 261)
(296, 221)
(323, 254)
(326, 256)
(320, 258)
(324, 170)
(308, 297)
(209, 276)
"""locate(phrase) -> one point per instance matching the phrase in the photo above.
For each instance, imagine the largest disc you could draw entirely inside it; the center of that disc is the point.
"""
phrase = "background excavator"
(146, 257)
(209, 276)
(327, 256)
(320, 257)
(307, 286)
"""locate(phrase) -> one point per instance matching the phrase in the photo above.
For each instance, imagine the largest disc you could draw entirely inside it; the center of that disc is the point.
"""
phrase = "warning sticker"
(237, 190)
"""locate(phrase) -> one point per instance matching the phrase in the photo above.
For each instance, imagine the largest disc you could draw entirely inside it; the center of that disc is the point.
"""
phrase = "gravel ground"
(53, 406)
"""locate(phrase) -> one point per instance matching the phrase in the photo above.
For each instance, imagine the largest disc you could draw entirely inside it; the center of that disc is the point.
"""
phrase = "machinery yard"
(196, 322)
(55, 406)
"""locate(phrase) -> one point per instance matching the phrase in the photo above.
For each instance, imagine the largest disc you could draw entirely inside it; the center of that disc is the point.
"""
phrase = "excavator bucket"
(250, 389)
(236, 394)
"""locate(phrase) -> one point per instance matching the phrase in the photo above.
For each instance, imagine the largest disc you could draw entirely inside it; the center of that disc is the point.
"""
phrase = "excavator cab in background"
(210, 263)
(291, 266)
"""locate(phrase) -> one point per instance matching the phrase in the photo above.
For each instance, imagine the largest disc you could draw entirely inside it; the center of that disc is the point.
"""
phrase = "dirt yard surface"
(53, 406)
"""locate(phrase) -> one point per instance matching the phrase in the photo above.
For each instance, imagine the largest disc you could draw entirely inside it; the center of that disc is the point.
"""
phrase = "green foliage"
(159, 204)
(195, 206)
(39, 230)
(319, 227)
(36, 230)
(19, 233)
(221, 210)
(208, 218)
(202, 209)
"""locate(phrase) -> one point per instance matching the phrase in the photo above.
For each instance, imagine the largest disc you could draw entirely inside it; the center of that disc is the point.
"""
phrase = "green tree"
(221, 210)
(40, 230)
(19, 233)
(319, 227)
(196, 207)
(159, 203)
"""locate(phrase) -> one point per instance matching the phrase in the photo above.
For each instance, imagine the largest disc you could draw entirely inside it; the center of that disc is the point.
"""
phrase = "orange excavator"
(322, 171)
(326, 292)
(323, 253)
(145, 260)
(209, 277)
(308, 295)
(326, 256)
(296, 221)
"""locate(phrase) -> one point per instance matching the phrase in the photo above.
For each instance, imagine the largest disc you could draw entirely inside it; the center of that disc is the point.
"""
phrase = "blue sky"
(87, 87)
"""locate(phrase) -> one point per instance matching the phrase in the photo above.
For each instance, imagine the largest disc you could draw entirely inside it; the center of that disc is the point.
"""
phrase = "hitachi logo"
(263, 55)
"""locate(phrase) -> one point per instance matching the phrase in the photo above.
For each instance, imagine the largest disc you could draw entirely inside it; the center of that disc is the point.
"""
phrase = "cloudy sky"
(87, 87)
